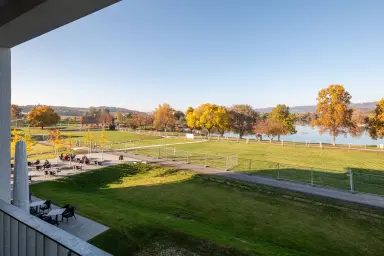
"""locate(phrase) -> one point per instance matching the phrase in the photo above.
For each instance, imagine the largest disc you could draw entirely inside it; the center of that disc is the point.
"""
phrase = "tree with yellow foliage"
(376, 123)
(29, 142)
(208, 116)
(54, 137)
(164, 117)
(88, 139)
(102, 140)
(69, 144)
(223, 123)
(42, 116)
(190, 117)
(15, 137)
(334, 114)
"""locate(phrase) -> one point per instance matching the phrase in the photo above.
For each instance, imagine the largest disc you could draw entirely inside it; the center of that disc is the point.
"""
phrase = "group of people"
(83, 160)
(37, 165)
(67, 157)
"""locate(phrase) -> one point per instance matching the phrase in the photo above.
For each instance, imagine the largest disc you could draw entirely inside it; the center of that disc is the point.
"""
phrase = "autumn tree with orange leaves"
(334, 114)
(376, 123)
(42, 116)
(164, 118)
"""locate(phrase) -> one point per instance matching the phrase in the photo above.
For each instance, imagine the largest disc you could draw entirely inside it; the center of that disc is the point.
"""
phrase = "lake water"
(307, 133)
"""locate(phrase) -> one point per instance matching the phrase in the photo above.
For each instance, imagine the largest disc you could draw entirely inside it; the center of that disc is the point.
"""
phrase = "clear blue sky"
(139, 53)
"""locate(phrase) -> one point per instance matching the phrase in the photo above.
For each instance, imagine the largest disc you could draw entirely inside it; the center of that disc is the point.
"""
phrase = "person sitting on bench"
(47, 164)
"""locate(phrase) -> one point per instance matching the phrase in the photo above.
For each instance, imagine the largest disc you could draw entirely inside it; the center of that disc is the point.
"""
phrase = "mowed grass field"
(330, 159)
(112, 136)
(324, 167)
(158, 211)
(115, 140)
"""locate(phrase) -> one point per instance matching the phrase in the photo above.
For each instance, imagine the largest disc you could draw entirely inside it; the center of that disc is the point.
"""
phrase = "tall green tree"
(333, 112)
(280, 114)
(242, 118)
(376, 123)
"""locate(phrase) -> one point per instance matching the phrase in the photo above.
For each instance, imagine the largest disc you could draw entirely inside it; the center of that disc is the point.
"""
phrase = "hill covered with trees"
(77, 111)
(365, 107)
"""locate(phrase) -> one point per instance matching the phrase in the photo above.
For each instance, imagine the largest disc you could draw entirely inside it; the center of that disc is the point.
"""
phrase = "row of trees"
(333, 115)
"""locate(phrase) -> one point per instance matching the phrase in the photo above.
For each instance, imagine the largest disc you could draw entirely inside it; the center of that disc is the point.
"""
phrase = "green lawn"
(325, 167)
(332, 159)
(116, 140)
(158, 211)
(146, 141)
(111, 135)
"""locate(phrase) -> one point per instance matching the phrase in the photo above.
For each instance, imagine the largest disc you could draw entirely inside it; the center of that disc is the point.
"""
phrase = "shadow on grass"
(151, 240)
(187, 216)
(102, 178)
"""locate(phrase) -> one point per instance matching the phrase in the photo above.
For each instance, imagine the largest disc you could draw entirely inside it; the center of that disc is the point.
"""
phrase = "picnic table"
(38, 167)
(56, 212)
(36, 204)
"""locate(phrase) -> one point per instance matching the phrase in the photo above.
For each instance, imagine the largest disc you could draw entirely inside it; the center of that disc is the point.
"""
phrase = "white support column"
(5, 124)
(20, 179)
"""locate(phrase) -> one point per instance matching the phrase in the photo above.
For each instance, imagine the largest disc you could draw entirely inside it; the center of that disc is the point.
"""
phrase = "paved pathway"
(338, 194)
(67, 168)
(81, 227)
(157, 145)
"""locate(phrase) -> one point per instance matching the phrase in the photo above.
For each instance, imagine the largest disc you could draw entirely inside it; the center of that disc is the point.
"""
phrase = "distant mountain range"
(365, 107)
(77, 111)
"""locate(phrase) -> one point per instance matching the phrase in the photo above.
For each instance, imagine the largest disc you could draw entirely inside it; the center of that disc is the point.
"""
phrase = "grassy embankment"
(158, 211)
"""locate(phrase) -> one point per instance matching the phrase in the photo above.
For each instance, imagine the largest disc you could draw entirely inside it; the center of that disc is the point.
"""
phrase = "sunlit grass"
(157, 176)
(152, 210)
(328, 159)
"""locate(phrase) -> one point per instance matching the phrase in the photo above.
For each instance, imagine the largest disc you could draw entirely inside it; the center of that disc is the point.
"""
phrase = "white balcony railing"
(23, 234)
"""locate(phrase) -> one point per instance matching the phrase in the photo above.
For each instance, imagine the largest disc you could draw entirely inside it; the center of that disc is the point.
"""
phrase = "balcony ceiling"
(23, 20)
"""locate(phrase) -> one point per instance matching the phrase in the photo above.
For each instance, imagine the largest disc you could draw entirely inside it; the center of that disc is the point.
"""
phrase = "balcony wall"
(24, 234)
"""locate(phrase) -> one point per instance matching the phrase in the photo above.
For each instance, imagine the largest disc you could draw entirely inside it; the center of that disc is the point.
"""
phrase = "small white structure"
(20, 179)
(190, 136)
